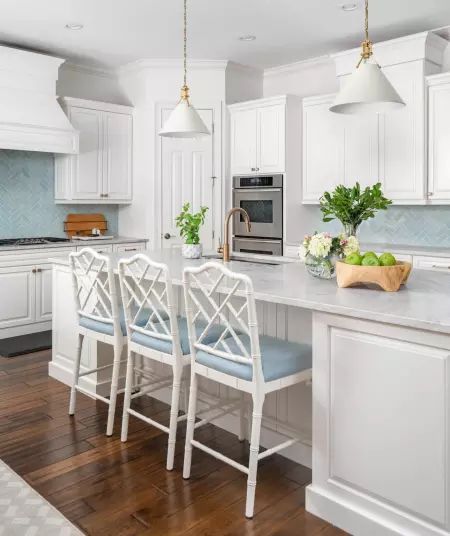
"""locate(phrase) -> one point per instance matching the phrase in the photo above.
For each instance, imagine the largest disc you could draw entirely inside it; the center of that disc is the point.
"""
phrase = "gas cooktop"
(34, 241)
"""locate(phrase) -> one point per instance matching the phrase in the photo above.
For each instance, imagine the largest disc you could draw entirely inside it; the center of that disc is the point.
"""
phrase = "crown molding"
(297, 65)
(86, 69)
(145, 64)
(234, 66)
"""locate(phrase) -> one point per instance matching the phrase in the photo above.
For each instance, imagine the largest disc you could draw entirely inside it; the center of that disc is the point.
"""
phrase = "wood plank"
(107, 487)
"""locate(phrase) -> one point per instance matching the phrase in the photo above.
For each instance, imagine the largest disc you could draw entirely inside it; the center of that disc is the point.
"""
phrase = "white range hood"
(30, 117)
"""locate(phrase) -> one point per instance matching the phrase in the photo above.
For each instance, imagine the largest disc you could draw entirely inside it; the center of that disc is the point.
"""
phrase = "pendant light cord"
(367, 20)
(366, 52)
(185, 43)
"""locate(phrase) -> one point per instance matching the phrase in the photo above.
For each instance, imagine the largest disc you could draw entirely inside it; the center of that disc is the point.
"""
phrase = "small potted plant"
(189, 224)
(322, 250)
(353, 205)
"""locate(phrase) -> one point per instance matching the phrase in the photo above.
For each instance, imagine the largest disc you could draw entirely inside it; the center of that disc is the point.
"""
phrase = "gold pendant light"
(184, 121)
(367, 89)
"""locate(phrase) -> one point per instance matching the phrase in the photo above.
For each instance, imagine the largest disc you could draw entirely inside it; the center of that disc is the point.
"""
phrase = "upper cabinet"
(337, 149)
(389, 148)
(102, 171)
(439, 138)
(258, 136)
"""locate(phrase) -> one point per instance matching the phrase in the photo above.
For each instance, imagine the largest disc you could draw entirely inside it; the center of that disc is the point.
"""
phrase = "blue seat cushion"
(108, 329)
(279, 358)
(166, 346)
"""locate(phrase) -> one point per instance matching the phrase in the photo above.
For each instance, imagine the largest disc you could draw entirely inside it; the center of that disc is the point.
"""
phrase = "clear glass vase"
(321, 267)
(350, 229)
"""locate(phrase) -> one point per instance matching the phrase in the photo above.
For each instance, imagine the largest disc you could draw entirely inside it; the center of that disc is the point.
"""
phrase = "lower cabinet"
(18, 302)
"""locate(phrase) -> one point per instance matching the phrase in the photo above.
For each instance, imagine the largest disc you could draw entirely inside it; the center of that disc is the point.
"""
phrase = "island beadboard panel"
(290, 409)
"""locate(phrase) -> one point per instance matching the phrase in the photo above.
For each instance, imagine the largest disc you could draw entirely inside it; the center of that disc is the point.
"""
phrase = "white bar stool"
(99, 318)
(243, 360)
(146, 284)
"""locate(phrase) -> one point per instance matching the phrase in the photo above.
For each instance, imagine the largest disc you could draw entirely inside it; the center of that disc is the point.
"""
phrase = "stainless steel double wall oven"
(262, 197)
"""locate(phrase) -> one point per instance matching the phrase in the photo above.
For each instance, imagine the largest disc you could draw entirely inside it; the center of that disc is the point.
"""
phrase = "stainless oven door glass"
(253, 245)
(265, 208)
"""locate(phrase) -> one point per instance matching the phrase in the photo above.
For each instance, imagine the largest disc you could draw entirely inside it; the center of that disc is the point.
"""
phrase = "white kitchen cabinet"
(128, 248)
(17, 291)
(439, 138)
(438, 264)
(258, 136)
(323, 146)
(43, 287)
(102, 171)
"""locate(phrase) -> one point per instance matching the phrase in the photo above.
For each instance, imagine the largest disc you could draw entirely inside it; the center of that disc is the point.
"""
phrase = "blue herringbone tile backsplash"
(27, 206)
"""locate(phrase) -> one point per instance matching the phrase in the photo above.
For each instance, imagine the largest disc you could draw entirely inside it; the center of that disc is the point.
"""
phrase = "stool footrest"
(92, 395)
(220, 456)
(148, 420)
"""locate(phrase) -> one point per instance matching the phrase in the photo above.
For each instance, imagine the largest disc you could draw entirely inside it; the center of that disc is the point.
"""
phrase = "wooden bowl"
(389, 278)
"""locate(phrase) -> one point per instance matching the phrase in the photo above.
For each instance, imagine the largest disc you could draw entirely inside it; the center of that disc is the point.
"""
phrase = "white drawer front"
(439, 264)
(106, 248)
(129, 248)
(35, 256)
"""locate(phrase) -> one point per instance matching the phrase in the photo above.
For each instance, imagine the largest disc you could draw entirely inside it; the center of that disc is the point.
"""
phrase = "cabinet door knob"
(253, 169)
(257, 169)
(167, 236)
(34, 270)
(430, 194)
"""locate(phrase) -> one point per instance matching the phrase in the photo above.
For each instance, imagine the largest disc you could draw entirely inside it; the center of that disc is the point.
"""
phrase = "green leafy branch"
(352, 205)
(189, 223)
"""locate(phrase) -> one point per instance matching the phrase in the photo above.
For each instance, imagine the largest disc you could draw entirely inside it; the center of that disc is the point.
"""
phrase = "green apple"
(370, 254)
(387, 259)
(353, 258)
(370, 260)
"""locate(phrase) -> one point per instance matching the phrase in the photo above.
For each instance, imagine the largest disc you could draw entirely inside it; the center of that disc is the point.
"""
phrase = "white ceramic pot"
(192, 251)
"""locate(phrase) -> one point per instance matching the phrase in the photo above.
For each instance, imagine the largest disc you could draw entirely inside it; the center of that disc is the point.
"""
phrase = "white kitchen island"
(379, 409)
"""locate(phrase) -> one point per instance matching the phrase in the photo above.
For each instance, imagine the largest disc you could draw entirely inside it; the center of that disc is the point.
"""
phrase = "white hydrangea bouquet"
(322, 250)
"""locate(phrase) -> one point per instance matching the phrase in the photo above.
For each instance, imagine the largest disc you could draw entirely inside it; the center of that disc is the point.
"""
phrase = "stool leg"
(114, 387)
(190, 426)
(258, 402)
(76, 375)
(242, 417)
(177, 373)
(127, 396)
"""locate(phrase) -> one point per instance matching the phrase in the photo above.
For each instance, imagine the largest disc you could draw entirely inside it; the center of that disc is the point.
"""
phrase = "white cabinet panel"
(105, 248)
(323, 143)
(17, 291)
(360, 149)
(388, 424)
(87, 166)
(118, 155)
(43, 292)
(402, 137)
(271, 138)
(439, 139)
(243, 141)
(102, 171)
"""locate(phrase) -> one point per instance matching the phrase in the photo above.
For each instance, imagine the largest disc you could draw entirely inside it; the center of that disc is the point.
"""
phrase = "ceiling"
(119, 31)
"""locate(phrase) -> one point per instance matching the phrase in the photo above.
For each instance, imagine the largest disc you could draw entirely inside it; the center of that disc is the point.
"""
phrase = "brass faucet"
(225, 248)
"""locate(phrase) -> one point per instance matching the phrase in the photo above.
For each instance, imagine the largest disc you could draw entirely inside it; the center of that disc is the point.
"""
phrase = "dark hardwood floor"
(107, 488)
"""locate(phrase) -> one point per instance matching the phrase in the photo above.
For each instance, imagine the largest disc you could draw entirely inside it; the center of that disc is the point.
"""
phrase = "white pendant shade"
(184, 122)
(367, 91)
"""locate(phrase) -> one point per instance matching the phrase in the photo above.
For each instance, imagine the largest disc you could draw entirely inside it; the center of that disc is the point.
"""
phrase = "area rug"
(23, 512)
(25, 344)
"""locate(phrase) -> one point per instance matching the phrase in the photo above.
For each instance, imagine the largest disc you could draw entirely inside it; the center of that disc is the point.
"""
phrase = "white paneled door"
(187, 171)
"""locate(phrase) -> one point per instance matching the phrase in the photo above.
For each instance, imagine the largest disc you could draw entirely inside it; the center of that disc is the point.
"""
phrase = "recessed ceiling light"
(74, 26)
(247, 37)
(349, 7)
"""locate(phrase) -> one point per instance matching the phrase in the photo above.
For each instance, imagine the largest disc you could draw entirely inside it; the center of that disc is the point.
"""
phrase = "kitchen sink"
(236, 258)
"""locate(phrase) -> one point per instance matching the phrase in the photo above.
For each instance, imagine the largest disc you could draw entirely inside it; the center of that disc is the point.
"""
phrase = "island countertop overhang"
(423, 303)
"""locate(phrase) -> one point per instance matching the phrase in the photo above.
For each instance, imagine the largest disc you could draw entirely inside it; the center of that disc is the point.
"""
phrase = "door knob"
(167, 236)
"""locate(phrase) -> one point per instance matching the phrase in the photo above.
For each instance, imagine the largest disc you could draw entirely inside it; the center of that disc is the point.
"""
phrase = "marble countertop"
(74, 243)
(432, 251)
(423, 303)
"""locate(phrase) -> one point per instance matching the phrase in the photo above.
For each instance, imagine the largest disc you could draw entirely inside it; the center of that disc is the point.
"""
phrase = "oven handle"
(253, 240)
(252, 190)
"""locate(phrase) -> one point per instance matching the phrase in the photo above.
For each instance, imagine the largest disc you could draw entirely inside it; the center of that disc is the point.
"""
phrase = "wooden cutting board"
(82, 224)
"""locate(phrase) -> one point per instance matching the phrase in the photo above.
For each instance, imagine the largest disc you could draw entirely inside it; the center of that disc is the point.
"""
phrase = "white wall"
(148, 85)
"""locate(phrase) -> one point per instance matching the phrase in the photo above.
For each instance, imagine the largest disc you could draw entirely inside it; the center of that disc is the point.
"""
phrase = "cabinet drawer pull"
(130, 249)
(445, 266)
(34, 270)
